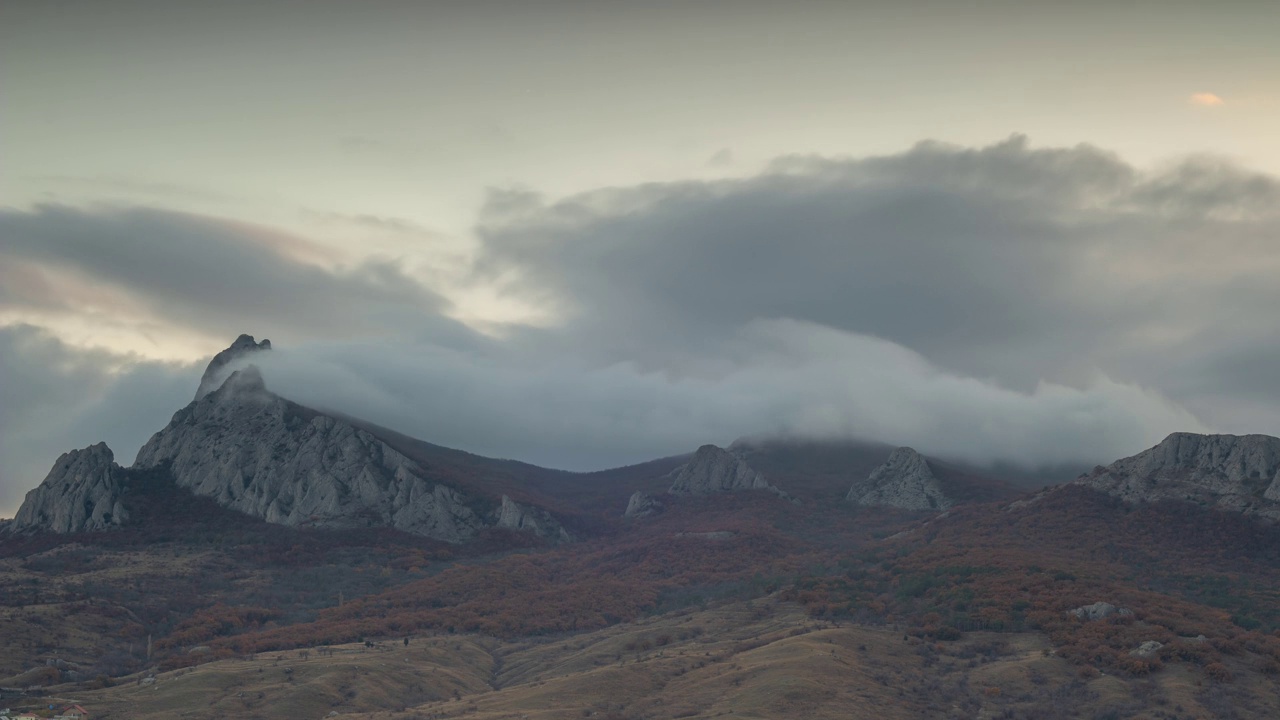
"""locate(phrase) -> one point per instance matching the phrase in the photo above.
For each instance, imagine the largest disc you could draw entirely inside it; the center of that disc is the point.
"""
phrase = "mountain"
(1238, 473)
(258, 453)
(251, 524)
(716, 470)
(904, 481)
(817, 470)
(262, 455)
(82, 492)
(217, 370)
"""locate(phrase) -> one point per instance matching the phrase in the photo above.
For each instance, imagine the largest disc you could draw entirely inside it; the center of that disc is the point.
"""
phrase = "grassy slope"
(759, 659)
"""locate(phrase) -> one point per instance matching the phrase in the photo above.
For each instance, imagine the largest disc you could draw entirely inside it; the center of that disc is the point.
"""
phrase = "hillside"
(756, 659)
(261, 555)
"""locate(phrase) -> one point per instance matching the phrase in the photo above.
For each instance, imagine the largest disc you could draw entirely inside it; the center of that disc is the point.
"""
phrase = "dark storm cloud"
(54, 399)
(1000, 303)
(209, 274)
(1003, 262)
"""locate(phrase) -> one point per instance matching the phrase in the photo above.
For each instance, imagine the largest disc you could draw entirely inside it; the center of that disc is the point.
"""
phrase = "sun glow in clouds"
(1205, 99)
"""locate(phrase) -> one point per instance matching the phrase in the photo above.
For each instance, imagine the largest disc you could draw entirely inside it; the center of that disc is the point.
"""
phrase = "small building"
(74, 712)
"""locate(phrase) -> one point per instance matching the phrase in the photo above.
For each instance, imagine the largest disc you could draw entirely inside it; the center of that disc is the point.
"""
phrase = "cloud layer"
(997, 303)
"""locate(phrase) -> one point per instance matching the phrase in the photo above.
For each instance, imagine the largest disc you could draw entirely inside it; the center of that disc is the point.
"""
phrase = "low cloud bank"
(779, 377)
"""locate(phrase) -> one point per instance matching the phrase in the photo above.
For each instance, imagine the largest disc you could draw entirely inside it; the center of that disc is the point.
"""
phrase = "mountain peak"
(715, 470)
(904, 481)
(1232, 472)
(81, 492)
(215, 373)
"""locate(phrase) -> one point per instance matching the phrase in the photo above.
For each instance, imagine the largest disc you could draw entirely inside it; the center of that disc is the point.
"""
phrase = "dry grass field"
(759, 659)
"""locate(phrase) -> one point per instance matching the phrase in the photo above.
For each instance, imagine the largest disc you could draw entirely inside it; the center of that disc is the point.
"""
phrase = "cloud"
(1033, 305)
(1006, 263)
(799, 379)
(207, 275)
(55, 398)
(1205, 99)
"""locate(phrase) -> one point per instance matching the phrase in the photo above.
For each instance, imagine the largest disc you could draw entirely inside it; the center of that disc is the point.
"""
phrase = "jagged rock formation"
(514, 516)
(904, 481)
(716, 470)
(255, 452)
(1231, 472)
(642, 505)
(216, 371)
(82, 492)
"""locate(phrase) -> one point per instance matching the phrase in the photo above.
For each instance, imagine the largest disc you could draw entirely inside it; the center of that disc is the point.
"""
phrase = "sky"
(590, 234)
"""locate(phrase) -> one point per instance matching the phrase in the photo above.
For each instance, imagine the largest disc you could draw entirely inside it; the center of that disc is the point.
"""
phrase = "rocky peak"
(716, 470)
(1231, 472)
(82, 492)
(515, 516)
(215, 373)
(255, 452)
(641, 505)
(904, 481)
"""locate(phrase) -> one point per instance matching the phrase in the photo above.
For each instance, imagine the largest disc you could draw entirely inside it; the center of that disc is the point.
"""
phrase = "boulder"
(1148, 649)
(1099, 611)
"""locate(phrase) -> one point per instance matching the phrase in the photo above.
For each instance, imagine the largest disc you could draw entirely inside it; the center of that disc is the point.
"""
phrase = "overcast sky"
(587, 234)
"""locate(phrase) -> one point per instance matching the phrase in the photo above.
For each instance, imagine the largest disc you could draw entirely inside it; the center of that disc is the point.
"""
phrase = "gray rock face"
(904, 481)
(255, 452)
(716, 470)
(217, 370)
(1230, 472)
(82, 492)
(514, 516)
(642, 505)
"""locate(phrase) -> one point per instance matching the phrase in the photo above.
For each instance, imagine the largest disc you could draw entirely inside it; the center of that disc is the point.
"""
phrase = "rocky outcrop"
(255, 452)
(1230, 472)
(642, 505)
(82, 492)
(1099, 611)
(217, 370)
(1148, 649)
(716, 470)
(514, 516)
(904, 481)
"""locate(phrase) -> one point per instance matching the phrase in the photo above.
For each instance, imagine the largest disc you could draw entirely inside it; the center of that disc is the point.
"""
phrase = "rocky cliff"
(255, 452)
(904, 481)
(515, 516)
(218, 368)
(642, 504)
(82, 492)
(1231, 472)
(716, 470)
